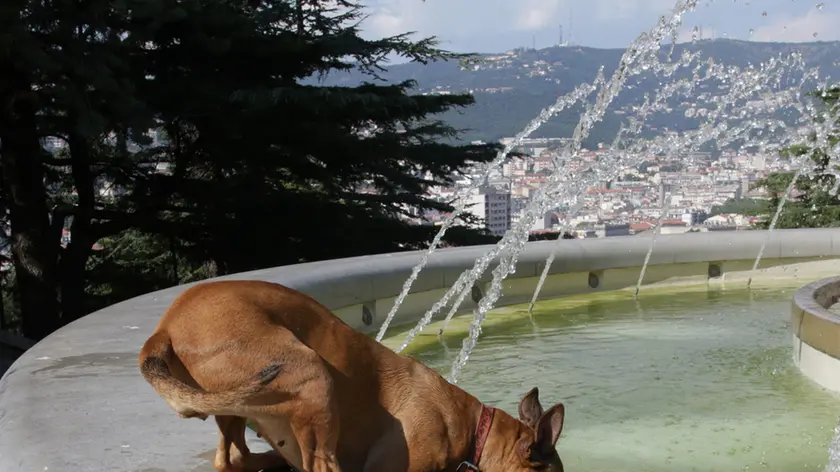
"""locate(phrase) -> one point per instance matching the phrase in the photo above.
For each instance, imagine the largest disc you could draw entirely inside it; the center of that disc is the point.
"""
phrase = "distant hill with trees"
(511, 88)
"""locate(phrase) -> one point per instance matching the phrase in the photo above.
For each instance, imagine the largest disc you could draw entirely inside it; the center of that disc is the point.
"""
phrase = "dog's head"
(528, 444)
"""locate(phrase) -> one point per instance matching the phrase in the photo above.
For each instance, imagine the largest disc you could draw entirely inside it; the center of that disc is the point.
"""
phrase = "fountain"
(715, 389)
(640, 56)
(745, 84)
(656, 231)
(359, 290)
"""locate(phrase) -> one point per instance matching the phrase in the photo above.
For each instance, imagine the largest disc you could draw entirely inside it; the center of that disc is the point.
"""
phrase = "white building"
(492, 205)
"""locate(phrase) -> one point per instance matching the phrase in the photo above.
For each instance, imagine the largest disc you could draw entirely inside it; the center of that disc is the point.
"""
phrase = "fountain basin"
(816, 332)
(76, 401)
(677, 380)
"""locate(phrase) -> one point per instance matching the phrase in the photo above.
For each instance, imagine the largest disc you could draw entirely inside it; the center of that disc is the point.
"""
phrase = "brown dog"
(325, 396)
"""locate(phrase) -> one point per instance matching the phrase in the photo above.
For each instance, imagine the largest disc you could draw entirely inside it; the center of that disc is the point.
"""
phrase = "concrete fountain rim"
(808, 297)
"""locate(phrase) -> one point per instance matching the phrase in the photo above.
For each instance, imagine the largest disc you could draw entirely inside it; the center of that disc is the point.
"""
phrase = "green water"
(675, 382)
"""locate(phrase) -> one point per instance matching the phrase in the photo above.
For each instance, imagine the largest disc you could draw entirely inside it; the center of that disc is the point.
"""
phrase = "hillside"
(511, 88)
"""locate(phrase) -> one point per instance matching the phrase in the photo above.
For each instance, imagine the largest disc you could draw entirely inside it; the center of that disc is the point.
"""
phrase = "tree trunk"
(299, 17)
(173, 257)
(71, 267)
(2, 304)
(34, 249)
(72, 278)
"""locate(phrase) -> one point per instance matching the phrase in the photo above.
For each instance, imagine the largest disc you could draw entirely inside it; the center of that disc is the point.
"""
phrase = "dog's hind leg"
(302, 396)
(233, 454)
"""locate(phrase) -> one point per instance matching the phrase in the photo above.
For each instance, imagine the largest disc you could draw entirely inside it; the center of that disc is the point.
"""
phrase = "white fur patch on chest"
(278, 433)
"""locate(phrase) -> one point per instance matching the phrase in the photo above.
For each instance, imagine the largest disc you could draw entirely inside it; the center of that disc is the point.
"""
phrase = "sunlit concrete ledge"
(816, 332)
(76, 401)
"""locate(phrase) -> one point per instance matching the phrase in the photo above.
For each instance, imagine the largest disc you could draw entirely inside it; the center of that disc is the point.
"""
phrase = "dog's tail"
(186, 400)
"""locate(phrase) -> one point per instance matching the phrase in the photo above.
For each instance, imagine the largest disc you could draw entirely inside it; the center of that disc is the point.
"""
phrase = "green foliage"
(632, 178)
(303, 152)
(743, 206)
(132, 263)
(814, 208)
(815, 203)
(550, 236)
(10, 315)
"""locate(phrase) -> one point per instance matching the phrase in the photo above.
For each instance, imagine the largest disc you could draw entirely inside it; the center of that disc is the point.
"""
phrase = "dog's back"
(242, 315)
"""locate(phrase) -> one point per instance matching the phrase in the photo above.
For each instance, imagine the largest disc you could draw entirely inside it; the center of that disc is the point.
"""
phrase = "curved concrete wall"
(816, 332)
(76, 401)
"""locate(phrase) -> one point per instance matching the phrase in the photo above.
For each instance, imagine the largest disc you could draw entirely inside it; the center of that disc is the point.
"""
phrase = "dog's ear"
(549, 427)
(530, 410)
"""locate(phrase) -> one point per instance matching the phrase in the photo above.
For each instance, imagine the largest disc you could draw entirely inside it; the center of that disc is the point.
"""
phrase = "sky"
(500, 25)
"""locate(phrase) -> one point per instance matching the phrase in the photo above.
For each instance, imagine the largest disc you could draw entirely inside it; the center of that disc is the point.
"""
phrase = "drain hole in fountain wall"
(476, 294)
(367, 316)
(714, 271)
(594, 281)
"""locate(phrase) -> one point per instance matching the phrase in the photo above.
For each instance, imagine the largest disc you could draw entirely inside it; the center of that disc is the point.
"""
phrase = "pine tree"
(261, 170)
(66, 79)
(280, 172)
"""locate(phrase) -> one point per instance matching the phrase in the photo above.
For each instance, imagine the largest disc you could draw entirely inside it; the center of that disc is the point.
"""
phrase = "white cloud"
(429, 18)
(385, 23)
(815, 25)
(497, 25)
(462, 18)
(391, 17)
(628, 10)
(537, 14)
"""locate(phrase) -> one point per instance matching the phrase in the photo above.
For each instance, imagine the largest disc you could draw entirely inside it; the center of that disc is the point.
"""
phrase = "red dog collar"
(482, 431)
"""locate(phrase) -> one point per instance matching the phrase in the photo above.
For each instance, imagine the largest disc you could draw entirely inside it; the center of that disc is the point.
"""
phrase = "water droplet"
(764, 13)
(820, 6)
